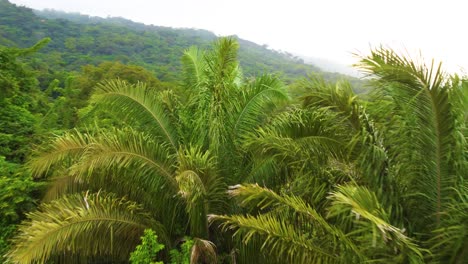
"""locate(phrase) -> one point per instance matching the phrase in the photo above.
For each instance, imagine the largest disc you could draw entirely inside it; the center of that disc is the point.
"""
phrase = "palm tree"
(386, 183)
(166, 169)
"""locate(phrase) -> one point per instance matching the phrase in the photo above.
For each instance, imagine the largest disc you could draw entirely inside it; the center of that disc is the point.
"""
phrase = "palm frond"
(428, 120)
(450, 242)
(63, 184)
(194, 68)
(299, 135)
(222, 66)
(357, 201)
(194, 193)
(338, 97)
(290, 227)
(82, 225)
(279, 239)
(106, 151)
(201, 188)
(209, 108)
(263, 170)
(130, 101)
(258, 99)
(63, 149)
(125, 149)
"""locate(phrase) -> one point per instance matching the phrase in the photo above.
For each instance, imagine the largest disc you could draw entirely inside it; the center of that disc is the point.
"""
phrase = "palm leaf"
(350, 201)
(257, 101)
(81, 225)
(338, 97)
(420, 94)
(298, 135)
(201, 188)
(63, 149)
(222, 66)
(127, 100)
(290, 229)
(194, 68)
(450, 243)
(62, 185)
(124, 149)
(279, 239)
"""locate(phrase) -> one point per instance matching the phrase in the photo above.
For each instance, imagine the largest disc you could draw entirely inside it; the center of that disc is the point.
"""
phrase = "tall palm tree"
(166, 169)
(395, 186)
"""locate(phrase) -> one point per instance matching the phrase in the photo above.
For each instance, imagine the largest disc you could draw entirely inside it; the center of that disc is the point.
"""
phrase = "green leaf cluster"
(147, 251)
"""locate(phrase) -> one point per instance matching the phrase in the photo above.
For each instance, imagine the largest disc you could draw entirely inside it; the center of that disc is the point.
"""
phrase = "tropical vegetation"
(113, 165)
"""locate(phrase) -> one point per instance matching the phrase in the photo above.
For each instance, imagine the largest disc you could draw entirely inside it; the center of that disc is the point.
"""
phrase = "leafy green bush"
(147, 251)
(183, 256)
(15, 199)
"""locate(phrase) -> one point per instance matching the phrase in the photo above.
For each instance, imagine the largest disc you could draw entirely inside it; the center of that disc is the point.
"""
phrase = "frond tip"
(81, 226)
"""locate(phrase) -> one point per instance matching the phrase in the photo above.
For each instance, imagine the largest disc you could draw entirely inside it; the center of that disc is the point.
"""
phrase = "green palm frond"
(369, 151)
(125, 149)
(289, 227)
(313, 185)
(63, 149)
(130, 101)
(212, 92)
(194, 68)
(194, 193)
(263, 198)
(279, 240)
(450, 243)
(106, 151)
(223, 67)
(81, 225)
(338, 97)
(198, 98)
(366, 146)
(427, 139)
(292, 142)
(201, 188)
(299, 135)
(257, 100)
(263, 169)
(203, 164)
(223, 81)
(356, 202)
(63, 184)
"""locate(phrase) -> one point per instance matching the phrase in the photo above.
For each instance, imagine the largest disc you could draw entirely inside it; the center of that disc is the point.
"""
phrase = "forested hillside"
(78, 40)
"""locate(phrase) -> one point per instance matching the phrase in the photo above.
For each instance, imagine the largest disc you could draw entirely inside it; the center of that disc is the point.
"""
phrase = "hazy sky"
(331, 29)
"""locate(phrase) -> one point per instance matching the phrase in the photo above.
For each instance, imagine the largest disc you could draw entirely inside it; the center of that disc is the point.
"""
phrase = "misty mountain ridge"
(78, 40)
(324, 64)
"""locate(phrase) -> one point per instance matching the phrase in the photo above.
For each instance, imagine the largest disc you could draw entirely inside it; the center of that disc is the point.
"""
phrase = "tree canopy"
(253, 174)
(213, 158)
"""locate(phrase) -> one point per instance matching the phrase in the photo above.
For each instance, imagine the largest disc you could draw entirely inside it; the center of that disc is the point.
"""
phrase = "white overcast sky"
(331, 29)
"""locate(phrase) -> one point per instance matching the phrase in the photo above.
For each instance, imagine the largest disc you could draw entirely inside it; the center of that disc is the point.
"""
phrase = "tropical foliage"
(394, 190)
(222, 167)
(175, 158)
(326, 177)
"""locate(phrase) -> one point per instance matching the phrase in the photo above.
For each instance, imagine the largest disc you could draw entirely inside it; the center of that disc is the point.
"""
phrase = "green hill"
(78, 40)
